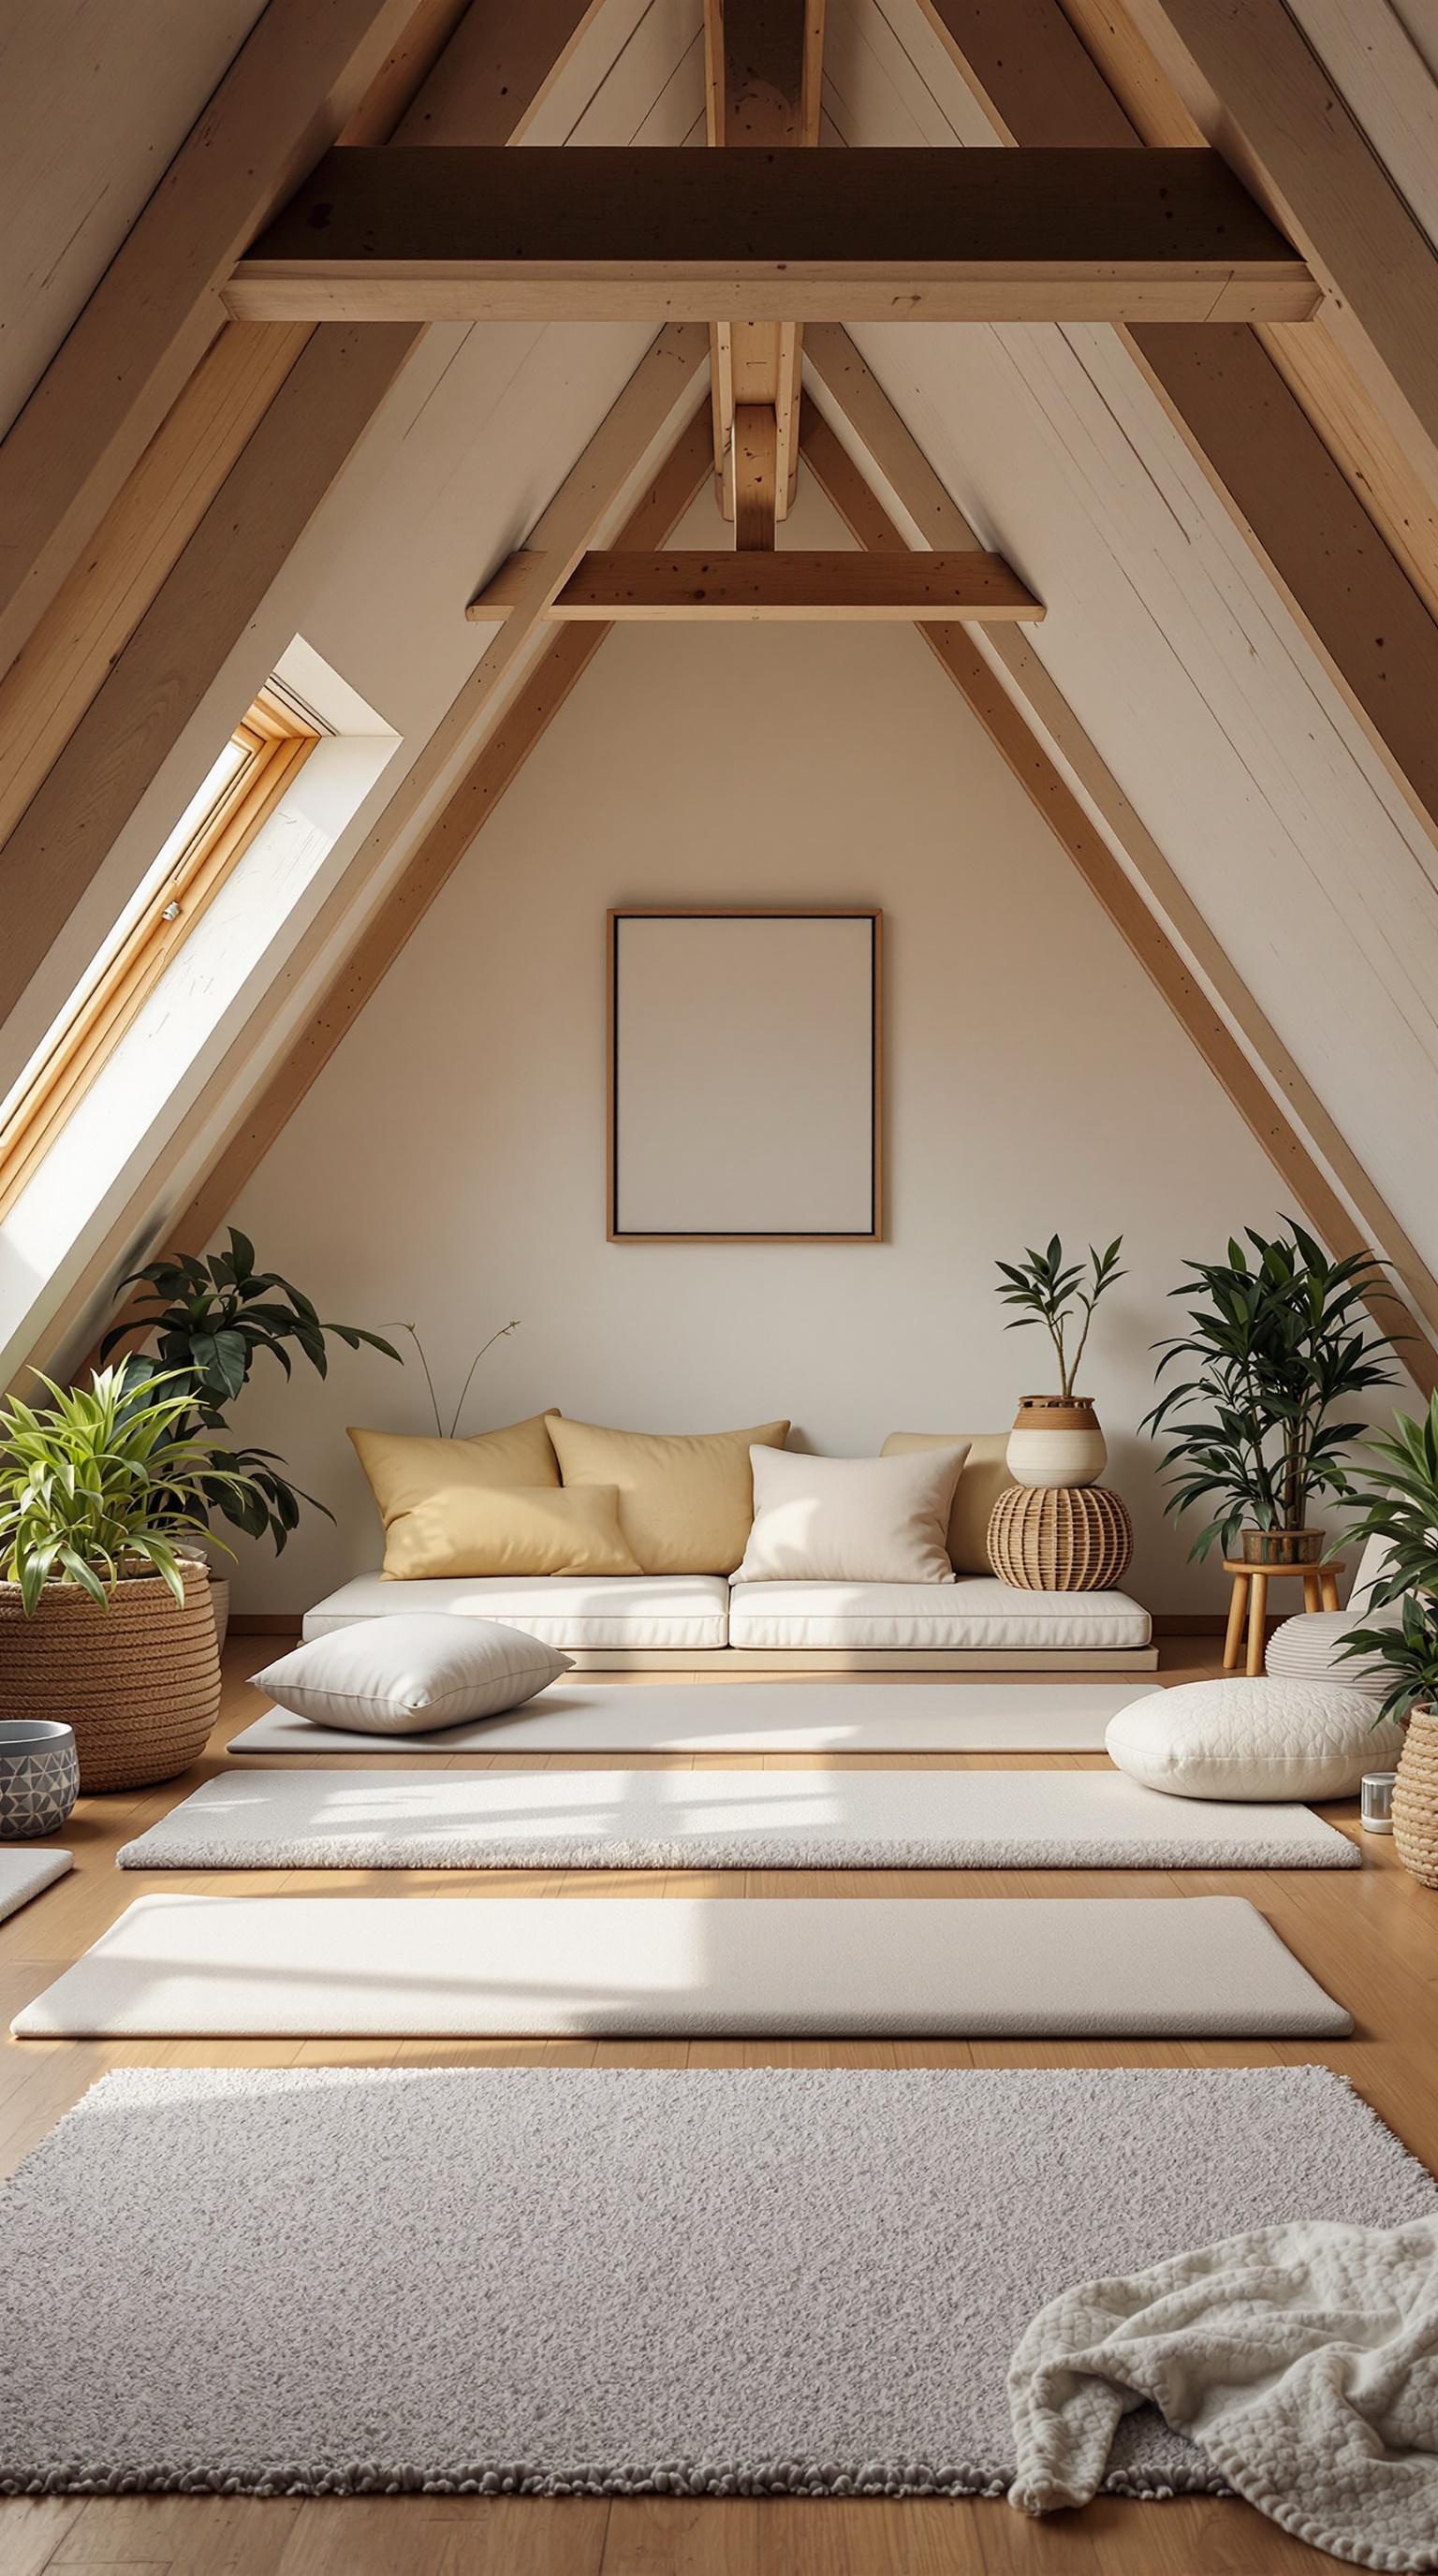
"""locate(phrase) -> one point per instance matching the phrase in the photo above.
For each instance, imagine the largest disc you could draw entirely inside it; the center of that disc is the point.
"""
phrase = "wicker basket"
(1415, 1798)
(139, 1681)
(1059, 1538)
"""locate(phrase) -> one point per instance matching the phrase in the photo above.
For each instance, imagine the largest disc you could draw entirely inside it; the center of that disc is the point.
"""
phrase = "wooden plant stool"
(1249, 1601)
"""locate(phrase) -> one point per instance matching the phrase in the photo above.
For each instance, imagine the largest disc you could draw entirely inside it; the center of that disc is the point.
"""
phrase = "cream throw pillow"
(686, 1499)
(851, 1520)
(985, 1476)
(459, 1507)
(407, 1675)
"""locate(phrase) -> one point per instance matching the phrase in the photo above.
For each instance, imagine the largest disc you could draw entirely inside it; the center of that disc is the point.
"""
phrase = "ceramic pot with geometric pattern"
(39, 1777)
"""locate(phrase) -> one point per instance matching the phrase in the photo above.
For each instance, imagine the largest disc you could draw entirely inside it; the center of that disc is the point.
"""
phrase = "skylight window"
(211, 837)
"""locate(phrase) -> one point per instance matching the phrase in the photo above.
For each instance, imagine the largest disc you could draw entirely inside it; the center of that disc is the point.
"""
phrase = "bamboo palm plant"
(1277, 1345)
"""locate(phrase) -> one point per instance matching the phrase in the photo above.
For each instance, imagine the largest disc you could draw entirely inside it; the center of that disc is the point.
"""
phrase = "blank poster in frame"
(745, 1054)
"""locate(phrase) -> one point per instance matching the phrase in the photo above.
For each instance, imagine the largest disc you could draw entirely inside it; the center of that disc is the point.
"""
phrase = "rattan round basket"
(1059, 1538)
(139, 1681)
(1415, 1798)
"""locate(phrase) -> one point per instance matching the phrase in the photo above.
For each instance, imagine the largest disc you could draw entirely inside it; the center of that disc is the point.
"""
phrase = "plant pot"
(1282, 1547)
(39, 1777)
(1056, 1441)
(139, 1680)
(1415, 1798)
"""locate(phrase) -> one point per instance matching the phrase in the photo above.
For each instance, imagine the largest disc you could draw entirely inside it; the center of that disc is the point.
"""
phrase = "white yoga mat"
(218, 1967)
(722, 1820)
(23, 1874)
(752, 1717)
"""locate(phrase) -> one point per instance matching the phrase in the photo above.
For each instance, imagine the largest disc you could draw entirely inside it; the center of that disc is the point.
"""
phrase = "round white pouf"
(1253, 1739)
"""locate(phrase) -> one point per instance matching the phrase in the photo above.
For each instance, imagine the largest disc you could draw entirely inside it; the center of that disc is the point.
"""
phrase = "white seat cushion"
(1307, 1649)
(1253, 1739)
(976, 1611)
(568, 1611)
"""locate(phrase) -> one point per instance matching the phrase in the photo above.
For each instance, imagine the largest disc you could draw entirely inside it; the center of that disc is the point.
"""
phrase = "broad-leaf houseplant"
(1402, 1510)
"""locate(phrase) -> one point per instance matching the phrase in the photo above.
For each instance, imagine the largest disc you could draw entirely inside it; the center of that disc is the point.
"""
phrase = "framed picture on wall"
(745, 1076)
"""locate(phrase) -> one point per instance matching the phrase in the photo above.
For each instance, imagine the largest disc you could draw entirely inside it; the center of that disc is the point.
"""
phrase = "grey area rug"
(722, 1820)
(811, 1716)
(1170, 1967)
(24, 1873)
(573, 2281)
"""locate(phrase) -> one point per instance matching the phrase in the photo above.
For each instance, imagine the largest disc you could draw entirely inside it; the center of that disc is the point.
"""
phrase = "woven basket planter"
(139, 1681)
(1059, 1538)
(1415, 1798)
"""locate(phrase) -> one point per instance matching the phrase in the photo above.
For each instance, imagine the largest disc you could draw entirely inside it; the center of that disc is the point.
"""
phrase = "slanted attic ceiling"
(1177, 651)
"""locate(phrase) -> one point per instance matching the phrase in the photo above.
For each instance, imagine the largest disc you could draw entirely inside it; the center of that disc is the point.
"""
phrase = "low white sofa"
(633, 1622)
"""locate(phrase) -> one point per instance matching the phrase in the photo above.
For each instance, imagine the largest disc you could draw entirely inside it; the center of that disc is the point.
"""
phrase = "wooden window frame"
(277, 742)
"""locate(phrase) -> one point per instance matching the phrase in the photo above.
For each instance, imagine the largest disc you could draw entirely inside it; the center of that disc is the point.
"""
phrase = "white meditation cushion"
(406, 1675)
(1253, 1739)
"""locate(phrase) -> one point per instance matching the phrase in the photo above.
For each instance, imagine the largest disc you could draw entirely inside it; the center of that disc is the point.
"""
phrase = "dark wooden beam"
(793, 588)
(651, 235)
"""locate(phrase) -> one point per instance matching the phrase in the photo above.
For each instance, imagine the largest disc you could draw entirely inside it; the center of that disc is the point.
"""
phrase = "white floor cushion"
(408, 1675)
(1308, 1649)
(977, 1611)
(568, 1611)
(1253, 1739)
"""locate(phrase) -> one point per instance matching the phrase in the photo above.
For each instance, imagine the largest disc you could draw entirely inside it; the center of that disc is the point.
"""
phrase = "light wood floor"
(1372, 1938)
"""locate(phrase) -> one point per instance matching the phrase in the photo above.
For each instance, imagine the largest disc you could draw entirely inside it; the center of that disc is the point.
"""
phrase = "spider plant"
(101, 1483)
(1061, 1296)
(1402, 1510)
(1277, 1345)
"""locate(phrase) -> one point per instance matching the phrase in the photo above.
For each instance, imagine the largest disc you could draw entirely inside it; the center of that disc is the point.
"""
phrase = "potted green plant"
(104, 1605)
(1277, 1345)
(210, 1320)
(1056, 1439)
(1402, 1510)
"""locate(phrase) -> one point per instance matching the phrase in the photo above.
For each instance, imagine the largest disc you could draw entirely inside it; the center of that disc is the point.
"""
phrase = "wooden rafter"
(271, 469)
(437, 853)
(601, 235)
(1266, 459)
(288, 93)
(793, 588)
(1022, 711)
(762, 82)
(1254, 87)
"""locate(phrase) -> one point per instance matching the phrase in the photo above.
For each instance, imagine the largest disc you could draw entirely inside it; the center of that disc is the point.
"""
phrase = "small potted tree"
(1277, 1345)
(1056, 1439)
(105, 1620)
(1402, 1510)
(210, 1320)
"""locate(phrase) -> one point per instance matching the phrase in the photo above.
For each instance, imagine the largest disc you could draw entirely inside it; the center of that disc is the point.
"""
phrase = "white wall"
(448, 1166)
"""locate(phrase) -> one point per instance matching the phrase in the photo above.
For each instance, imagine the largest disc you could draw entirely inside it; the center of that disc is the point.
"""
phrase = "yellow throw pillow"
(985, 1476)
(448, 1510)
(686, 1499)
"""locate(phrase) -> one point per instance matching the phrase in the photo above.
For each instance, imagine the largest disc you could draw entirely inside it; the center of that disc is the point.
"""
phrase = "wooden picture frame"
(744, 1074)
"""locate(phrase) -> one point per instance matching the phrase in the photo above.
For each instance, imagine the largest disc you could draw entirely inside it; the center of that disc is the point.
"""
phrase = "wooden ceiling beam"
(191, 547)
(1264, 456)
(1257, 91)
(921, 235)
(763, 69)
(759, 587)
(376, 944)
(1022, 710)
(125, 360)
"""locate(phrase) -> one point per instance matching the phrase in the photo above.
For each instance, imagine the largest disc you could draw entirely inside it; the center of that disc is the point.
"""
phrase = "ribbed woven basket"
(1059, 1538)
(138, 1681)
(1415, 1798)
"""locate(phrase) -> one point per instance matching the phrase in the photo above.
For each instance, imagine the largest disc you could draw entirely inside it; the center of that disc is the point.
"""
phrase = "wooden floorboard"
(1371, 1936)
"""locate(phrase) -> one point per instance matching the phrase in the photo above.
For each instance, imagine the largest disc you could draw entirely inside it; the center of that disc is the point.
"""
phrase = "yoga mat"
(823, 1967)
(722, 1820)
